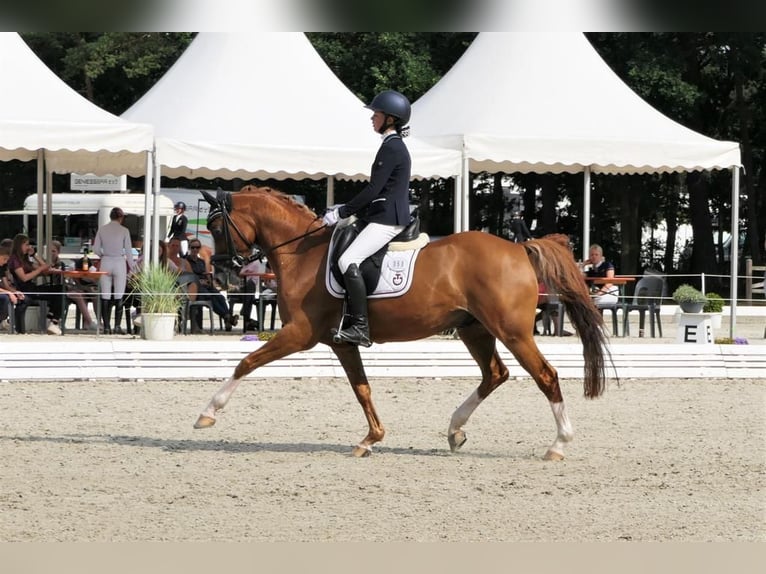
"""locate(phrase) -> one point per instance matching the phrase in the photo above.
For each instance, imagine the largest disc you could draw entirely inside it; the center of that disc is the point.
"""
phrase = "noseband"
(220, 207)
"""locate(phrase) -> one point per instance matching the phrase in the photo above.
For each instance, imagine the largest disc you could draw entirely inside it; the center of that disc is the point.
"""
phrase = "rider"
(383, 204)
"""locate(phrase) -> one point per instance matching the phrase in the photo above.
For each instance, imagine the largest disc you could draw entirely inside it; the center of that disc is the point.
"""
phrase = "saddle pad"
(395, 275)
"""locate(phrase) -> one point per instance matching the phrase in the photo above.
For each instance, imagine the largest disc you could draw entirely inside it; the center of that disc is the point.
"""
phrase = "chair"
(263, 300)
(647, 298)
(42, 314)
(613, 307)
(186, 310)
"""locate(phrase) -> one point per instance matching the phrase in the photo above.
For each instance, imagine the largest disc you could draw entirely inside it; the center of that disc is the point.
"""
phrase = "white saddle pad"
(396, 272)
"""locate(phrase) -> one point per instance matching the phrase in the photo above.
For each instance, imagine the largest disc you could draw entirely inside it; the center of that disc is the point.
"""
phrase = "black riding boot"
(106, 315)
(119, 306)
(358, 331)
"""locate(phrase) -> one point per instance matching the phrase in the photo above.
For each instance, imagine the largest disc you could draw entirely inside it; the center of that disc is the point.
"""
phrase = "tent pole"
(48, 214)
(330, 191)
(456, 195)
(734, 248)
(464, 210)
(40, 189)
(586, 213)
(156, 207)
(147, 247)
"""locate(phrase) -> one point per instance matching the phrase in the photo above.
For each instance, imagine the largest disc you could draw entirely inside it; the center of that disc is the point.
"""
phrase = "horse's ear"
(209, 198)
(224, 199)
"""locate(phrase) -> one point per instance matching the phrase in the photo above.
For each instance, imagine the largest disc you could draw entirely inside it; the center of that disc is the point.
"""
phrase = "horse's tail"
(556, 268)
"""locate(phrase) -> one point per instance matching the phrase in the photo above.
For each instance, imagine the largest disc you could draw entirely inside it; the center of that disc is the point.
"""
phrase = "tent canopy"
(265, 105)
(535, 102)
(39, 111)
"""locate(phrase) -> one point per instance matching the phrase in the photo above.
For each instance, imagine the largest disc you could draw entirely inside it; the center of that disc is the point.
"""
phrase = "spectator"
(203, 289)
(598, 266)
(114, 246)
(9, 296)
(24, 273)
(178, 226)
(75, 290)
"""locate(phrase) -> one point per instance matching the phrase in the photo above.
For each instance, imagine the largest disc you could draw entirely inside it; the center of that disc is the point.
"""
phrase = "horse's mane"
(279, 195)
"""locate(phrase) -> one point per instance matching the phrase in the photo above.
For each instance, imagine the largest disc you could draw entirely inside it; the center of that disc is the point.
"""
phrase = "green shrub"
(714, 303)
(159, 289)
(686, 292)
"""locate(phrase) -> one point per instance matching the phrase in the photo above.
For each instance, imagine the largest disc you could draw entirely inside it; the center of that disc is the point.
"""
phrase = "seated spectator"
(9, 296)
(597, 265)
(25, 267)
(202, 287)
(76, 291)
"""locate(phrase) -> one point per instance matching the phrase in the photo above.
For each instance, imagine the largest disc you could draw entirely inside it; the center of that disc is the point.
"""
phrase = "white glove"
(331, 217)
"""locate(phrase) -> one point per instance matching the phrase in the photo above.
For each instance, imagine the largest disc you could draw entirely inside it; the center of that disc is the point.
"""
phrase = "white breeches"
(116, 277)
(369, 240)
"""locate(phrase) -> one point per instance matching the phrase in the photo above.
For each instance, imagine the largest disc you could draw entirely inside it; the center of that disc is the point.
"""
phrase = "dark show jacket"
(386, 198)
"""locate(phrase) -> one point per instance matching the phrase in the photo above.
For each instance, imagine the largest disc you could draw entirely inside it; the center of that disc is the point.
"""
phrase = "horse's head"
(233, 248)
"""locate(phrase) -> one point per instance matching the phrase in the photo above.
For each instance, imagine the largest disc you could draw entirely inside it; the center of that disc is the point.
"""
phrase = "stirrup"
(352, 336)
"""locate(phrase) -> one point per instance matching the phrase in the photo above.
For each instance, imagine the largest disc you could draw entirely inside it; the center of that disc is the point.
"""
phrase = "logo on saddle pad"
(390, 270)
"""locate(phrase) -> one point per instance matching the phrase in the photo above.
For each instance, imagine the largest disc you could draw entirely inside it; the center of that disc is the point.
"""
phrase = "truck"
(77, 216)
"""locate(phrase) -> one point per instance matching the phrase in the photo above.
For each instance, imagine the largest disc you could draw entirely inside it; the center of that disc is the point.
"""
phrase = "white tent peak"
(40, 111)
(519, 101)
(264, 105)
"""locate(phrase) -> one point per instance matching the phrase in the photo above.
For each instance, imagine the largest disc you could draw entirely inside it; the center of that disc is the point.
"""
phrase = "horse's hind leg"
(531, 359)
(351, 361)
(481, 345)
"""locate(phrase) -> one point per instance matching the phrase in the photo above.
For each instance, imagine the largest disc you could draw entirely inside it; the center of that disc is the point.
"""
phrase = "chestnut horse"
(484, 286)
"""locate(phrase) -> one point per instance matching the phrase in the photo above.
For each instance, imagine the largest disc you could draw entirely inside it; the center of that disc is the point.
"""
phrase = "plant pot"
(691, 306)
(158, 326)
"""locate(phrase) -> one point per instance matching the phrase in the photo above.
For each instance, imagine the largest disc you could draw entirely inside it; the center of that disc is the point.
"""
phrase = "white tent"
(42, 118)
(547, 102)
(265, 105)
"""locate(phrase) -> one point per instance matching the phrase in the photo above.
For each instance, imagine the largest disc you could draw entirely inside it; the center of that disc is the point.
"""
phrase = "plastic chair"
(186, 311)
(647, 298)
(613, 307)
(42, 314)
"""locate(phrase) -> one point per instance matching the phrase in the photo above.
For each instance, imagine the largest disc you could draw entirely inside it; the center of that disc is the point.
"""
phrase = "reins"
(222, 208)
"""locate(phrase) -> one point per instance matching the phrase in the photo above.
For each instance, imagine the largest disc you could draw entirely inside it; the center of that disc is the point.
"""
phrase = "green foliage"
(159, 289)
(688, 293)
(714, 303)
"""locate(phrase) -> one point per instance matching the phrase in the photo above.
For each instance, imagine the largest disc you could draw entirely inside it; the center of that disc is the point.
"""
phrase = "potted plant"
(161, 299)
(690, 300)
(714, 304)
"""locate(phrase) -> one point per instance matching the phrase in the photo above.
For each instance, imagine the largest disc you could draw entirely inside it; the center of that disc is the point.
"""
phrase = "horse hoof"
(456, 440)
(361, 451)
(204, 422)
(553, 455)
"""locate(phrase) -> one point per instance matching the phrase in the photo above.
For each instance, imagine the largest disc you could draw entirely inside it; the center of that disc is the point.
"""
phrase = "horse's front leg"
(351, 361)
(282, 345)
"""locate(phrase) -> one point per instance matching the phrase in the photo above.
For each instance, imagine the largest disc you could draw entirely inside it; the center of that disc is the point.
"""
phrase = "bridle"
(220, 207)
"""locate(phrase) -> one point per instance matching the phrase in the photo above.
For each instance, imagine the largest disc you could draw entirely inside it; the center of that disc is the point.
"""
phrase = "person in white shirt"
(113, 245)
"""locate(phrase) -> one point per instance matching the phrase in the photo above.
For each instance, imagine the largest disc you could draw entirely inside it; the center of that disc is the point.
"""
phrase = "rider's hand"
(331, 217)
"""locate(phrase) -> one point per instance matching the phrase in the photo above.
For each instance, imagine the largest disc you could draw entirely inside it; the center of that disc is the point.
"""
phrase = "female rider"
(383, 204)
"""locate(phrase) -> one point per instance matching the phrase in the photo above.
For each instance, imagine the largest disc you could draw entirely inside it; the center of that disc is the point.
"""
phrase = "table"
(80, 274)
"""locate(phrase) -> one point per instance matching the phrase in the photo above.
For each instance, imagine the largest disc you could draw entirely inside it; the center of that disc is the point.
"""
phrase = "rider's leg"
(370, 239)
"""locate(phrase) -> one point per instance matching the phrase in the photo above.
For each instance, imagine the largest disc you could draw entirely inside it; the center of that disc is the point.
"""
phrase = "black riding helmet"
(394, 104)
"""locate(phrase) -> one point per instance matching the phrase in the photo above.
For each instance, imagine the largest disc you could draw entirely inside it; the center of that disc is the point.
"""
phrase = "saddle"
(343, 236)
